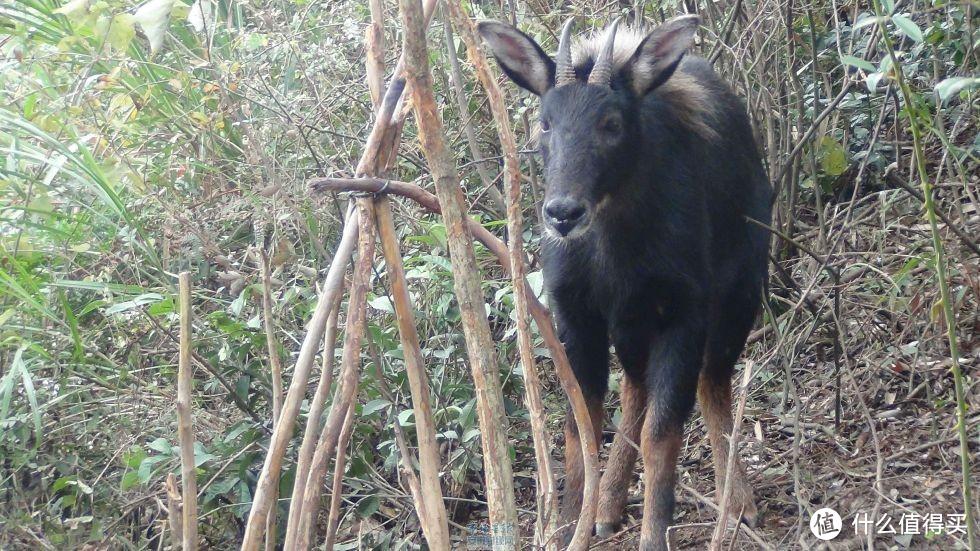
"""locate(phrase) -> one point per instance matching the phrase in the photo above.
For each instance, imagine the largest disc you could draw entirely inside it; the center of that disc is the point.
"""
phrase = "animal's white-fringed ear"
(519, 56)
(660, 52)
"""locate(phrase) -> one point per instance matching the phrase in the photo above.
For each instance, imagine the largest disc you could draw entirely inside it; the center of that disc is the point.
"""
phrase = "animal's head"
(589, 122)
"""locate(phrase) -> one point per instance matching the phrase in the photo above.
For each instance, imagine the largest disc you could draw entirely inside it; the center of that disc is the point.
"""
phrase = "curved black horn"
(603, 68)
(564, 72)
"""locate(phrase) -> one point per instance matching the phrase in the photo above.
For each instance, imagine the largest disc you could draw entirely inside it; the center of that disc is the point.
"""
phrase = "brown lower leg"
(614, 489)
(571, 503)
(660, 450)
(715, 399)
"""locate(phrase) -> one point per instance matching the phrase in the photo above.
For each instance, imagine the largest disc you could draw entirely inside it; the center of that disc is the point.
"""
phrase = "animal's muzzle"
(564, 214)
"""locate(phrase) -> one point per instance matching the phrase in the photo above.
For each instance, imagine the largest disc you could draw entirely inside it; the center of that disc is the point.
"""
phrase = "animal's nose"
(564, 214)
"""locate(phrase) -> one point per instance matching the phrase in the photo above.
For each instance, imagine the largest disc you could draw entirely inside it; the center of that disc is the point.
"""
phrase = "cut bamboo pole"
(336, 490)
(269, 477)
(466, 282)
(174, 511)
(546, 493)
(347, 380)
(435, 527)
(185, 418)
(541, 314)
(379, 150)
(313, 427)
(374, 40)
(275, 374)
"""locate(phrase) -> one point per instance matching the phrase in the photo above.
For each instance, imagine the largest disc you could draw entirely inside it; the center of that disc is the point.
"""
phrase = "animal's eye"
(612, 125)
(545, 126)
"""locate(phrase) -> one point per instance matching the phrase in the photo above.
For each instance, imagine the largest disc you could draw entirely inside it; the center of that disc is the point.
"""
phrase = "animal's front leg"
(672, 378)
(587, 344)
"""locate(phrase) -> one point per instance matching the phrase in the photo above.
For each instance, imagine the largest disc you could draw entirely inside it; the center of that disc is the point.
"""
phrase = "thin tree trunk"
(466, 282)
(312, 431)
(456, 76)
(435, 527)
(347, 380)
(185, 418)
(275, 373)
(269, 477)
(336, 489)
(546, 493)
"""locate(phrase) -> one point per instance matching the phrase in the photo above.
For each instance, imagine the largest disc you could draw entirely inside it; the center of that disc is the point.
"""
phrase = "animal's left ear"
(661, 51)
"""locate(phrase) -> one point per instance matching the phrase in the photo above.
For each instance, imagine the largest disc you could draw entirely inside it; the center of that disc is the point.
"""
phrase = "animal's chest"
(592, 276)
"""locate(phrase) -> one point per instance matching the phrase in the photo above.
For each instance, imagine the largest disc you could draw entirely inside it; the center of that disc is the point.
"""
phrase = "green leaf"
(130, 479)
(873, 80)
(146, 298)
(864, 21)
(201, 456)
(833, 158)
(954, 85)
(121, 31)
(165, 306)
(908, 27)
(161, 445)
(382, 304)
(368, 506)
(889, 5)
(74, 10)
(857, 62)
(154, 18)
(374, 406)
(145, 471)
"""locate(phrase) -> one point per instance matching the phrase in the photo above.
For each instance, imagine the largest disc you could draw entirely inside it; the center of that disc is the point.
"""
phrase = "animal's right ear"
(519, 56)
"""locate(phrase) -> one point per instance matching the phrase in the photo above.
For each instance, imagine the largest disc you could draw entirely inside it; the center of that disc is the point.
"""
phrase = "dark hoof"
(606, 529)
(750, 519)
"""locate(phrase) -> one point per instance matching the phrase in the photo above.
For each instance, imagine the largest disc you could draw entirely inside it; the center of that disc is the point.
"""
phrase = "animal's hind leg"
(715, 399)
(614, 489)
(725, 343)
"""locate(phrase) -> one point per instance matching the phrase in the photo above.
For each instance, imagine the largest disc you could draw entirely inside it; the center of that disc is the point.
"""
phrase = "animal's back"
(734, 182)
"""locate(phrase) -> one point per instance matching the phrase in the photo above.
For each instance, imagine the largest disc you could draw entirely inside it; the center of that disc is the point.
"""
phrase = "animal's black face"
(587, 129)
(586, 133)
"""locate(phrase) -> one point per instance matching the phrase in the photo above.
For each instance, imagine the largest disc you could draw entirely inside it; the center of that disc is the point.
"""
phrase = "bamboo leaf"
(121, 32)
(908, 27)
(857, 62)
(952, 86)
(154, 18)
